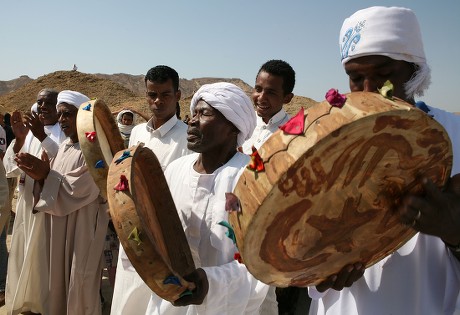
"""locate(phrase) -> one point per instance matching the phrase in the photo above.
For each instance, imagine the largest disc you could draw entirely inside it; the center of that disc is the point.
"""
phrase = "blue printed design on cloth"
(351, 38)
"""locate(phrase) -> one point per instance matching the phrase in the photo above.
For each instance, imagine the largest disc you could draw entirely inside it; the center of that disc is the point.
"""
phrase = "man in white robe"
(76, 217)
(166, 136)
(273, 88)
(423, 276)
(4, 217)
(27, 285)
(222, 119)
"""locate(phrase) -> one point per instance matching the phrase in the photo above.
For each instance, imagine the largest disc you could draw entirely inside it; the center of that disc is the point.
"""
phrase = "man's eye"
(207, 113)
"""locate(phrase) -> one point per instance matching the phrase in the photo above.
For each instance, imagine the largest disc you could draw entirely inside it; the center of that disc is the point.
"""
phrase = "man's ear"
(288, 98)
(178, 95)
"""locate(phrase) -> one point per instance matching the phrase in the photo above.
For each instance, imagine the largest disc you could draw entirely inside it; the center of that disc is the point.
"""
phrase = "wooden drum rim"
(147, 222)
(99, 139)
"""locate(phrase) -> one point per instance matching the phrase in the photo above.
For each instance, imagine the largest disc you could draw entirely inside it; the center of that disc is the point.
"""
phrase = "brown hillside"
(22, 98)
(9, 86)
(117, 90)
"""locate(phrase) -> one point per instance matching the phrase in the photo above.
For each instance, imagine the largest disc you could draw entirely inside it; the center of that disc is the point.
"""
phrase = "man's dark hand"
(345, 278)
(35, 125)
(199, 278)
(34, 167)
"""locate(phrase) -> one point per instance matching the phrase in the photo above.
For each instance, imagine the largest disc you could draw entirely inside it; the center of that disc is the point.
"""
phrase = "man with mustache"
(222, 119)
(36, 132)
(75, 214)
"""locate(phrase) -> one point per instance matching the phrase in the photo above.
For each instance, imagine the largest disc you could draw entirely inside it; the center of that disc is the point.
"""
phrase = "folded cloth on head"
(232, 102)
(72, 98)
(387, 31)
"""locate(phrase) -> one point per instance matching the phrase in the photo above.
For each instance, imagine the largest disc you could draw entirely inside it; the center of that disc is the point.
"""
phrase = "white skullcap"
(232, 102)
(72, 98)
(387, 31)
(34, 108)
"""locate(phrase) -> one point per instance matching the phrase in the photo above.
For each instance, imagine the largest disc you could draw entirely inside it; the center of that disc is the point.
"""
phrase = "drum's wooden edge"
(92, 149)
(138, 247)
(235, 218)
(180, 256)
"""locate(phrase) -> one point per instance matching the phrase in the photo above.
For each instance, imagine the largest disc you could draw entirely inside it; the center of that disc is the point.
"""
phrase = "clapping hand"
(34, 167)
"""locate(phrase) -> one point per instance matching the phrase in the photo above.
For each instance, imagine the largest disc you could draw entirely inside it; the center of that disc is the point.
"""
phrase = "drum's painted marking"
(272, 249)
(336, 234)
(305, 181)
(392, 121)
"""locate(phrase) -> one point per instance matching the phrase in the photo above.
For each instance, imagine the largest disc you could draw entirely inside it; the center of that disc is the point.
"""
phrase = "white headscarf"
(72, 98)
(232, 102)
(393, 32)
(125, 130)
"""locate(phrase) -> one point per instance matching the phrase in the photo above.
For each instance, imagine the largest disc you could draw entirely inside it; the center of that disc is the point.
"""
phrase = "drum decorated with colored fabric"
(147, 223)
(99, 139)
(326, 197)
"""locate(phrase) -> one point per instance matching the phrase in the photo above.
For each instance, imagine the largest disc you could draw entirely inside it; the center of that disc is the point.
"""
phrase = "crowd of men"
(60, 226)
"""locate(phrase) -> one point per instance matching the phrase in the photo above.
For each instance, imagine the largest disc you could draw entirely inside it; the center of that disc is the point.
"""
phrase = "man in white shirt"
(222, 119)
(166, 136)
(273, 88)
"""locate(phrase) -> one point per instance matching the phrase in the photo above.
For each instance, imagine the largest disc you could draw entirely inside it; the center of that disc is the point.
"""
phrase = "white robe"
(76, 225)
(4, 192)
(169, 142)
(200, 202)
(27, 280)
(422, 277)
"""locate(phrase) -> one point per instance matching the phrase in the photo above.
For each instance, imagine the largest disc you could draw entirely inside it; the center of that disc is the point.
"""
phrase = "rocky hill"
(8, 86)
(117, 90)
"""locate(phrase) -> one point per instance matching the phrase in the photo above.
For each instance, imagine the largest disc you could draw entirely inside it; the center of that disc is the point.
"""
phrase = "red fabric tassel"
(123, 184)
(256, 164)
(237, 256)
(295, 125)
(91, 136)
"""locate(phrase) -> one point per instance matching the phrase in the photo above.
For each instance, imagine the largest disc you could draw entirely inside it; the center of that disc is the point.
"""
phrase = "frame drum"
(147, 223)
(327, 196)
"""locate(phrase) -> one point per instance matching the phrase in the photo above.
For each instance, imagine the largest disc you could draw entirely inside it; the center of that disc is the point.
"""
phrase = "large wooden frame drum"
(99, 139)
(327, 197)
(146, 221)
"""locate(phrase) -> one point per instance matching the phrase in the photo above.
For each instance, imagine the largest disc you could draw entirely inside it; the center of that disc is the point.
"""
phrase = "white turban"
(34, 108)
(232, 102)
(393, 32)
(72, 98)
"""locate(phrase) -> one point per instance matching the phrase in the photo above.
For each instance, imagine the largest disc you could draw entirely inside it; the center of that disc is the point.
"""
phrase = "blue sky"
(229, 39)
